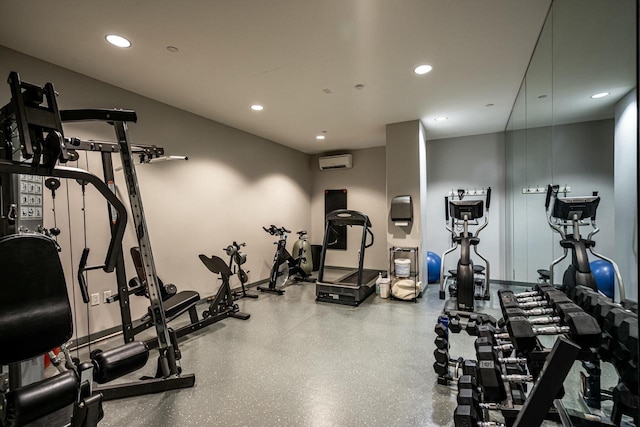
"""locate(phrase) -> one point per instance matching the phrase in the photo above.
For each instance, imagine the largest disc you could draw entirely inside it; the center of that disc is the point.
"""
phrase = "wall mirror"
(559, 133)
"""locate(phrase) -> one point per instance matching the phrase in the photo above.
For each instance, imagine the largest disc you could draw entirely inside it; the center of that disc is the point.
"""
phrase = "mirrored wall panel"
(571, 125)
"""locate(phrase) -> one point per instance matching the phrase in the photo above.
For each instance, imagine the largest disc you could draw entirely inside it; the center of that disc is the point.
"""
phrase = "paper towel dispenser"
(402, 211)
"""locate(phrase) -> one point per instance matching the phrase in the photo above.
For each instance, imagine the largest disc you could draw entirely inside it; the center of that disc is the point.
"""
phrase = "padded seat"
(544, 274)
(179, 303)
(35, 314)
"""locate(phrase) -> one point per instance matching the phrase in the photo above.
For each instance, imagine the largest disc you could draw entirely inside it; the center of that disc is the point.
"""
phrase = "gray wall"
(366, 192)
(403, 178)
(467, 162)
(233, 184)
(626, 191)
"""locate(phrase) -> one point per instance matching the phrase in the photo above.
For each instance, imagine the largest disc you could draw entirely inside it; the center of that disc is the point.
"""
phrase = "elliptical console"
(576, 212)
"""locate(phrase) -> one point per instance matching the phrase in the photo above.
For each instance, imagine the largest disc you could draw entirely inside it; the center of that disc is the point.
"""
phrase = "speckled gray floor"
(296, 362)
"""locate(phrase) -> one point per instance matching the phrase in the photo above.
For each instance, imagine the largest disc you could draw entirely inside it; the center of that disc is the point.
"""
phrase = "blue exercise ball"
(433, 267)
(604, 274)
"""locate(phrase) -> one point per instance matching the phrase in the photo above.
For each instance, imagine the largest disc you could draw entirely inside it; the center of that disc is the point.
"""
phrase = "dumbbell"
(552, 297)
(490, 381)
(442, 325)
(441, 367)
(628, 334)
(611, 327)
(469, 396)
(467, 416)
(621, 345)
(487, 336)
(477, 319)
(625, 353)
(534, 320)
(560, 311)
(539, 289)
(580, 327)
(512, 365)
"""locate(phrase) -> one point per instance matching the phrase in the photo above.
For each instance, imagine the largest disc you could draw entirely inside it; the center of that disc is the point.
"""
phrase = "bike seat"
(544, 274)
(478, 269)
(474, 240)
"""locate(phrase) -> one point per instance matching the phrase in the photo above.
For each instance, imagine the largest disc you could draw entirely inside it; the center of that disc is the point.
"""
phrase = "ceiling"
(286, 54)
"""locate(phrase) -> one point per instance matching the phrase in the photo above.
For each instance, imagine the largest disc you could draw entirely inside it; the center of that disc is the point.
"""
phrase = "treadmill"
(354, 287)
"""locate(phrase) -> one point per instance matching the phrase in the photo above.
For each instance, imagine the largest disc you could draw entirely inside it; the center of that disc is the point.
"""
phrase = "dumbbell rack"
(503, 378)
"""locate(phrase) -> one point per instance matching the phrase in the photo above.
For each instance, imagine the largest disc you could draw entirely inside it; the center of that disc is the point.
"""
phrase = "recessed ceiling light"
(172, 49)
(257, 107)
(117, 40)
(422, 69)
(320, 137)
(600, 95)
(441, 119)
(542, 96)
(489, 105)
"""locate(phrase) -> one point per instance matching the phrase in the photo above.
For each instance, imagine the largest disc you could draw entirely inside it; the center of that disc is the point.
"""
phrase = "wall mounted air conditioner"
(342, 161)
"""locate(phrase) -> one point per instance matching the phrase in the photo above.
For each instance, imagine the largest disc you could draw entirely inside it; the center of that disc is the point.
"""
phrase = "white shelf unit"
(413, 255)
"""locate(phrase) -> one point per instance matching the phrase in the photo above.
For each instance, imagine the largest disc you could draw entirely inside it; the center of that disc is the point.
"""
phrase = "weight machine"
(38, 134)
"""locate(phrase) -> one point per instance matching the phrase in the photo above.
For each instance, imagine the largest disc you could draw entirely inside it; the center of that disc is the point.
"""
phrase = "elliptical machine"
(237, 257)
(284, 265)
(465, 286)
(576, 212)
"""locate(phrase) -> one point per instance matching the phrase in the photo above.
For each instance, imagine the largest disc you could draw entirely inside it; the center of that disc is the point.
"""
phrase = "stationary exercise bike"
(576, 212)
(237, 257)
(465, 286)
(284, 265)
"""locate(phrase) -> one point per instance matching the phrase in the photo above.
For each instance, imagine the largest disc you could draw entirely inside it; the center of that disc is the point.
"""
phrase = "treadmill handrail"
(348, 217)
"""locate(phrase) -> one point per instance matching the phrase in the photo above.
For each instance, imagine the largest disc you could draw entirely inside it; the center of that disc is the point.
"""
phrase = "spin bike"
(237, 257)
(576, 212)
(465, 286)
(284, 265)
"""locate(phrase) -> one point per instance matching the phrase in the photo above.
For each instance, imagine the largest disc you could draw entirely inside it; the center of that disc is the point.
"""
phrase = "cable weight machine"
(38, 123)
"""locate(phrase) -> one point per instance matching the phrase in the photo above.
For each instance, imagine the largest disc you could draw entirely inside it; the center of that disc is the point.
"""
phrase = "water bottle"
(378, 280)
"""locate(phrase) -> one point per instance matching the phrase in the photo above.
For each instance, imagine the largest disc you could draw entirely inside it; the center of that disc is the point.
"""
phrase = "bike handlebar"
(275, 231)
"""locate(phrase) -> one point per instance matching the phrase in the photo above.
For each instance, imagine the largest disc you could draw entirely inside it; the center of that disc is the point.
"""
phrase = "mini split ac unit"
(342, 161)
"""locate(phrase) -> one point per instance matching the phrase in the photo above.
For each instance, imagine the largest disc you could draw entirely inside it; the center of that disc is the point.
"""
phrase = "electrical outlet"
(106, 295)
(95, 299)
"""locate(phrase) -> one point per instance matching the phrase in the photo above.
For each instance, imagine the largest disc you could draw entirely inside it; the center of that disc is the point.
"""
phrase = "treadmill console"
(583, 207)
(473, 209)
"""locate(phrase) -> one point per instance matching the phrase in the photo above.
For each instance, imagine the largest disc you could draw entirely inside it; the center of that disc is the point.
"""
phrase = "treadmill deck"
(345, 290)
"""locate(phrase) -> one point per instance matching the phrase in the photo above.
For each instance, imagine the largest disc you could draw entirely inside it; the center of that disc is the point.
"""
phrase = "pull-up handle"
(446, 208)
(84, 289)
(82, 267)
(488, 197)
